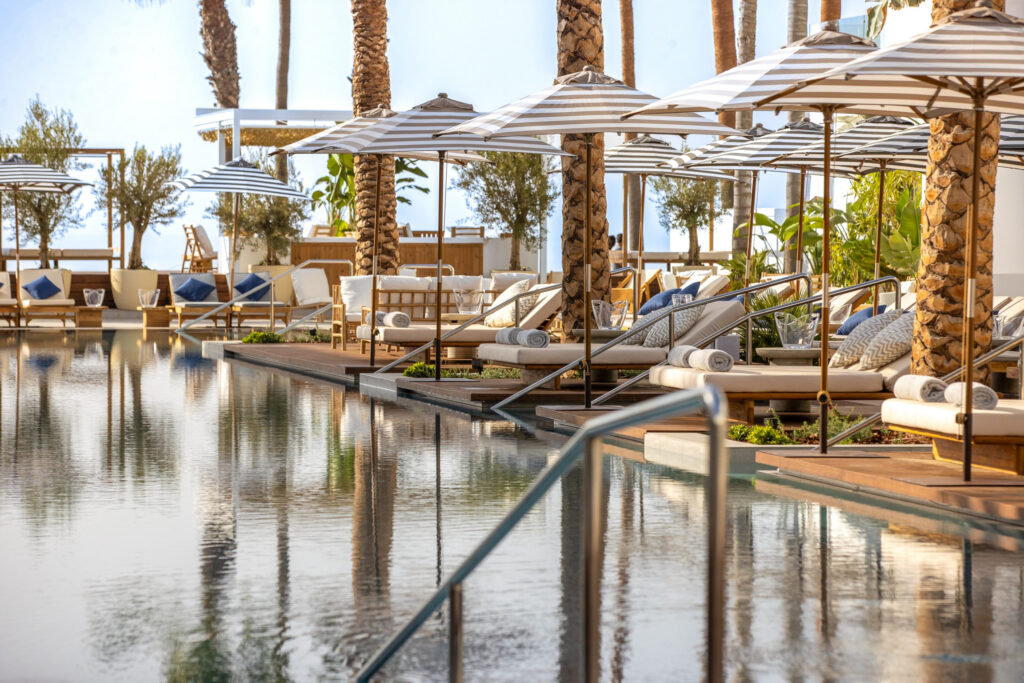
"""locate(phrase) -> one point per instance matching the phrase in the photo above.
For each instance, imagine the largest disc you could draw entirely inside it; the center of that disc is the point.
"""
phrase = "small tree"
(687, 204)
(264, 220)
(336, 191)
(139, 189)
(514, 193)
(46, 138)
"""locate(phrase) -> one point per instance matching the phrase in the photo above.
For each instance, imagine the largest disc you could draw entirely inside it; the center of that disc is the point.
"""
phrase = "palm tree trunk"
(938, 328)
(284, 42)
(220, 51)
(745, 42)
(724, 33)
(831, 11)
(371, 87)
(631, 183)
(581, 43)
(797, 29)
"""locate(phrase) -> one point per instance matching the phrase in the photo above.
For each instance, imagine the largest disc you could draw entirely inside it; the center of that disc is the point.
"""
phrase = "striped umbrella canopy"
(967, 61)
(19, 175)
(236, 177)
(715, 147)
(586, 103)
(866, 132)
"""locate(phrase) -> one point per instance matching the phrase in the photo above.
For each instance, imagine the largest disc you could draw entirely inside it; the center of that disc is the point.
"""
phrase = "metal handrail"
(295, 323)
(955, 374)
(750, 316)
(668, 311)
(234, 300)
(515, 299)
(433, 266)
(710, 401)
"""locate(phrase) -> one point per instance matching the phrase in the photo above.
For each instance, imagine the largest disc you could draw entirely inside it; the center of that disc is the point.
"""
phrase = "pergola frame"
(209, 119)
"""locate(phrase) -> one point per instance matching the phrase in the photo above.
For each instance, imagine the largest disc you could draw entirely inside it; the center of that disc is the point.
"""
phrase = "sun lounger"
(260, 308)
(59, 306)
(9, 310)
(187, 309)
(998, 434)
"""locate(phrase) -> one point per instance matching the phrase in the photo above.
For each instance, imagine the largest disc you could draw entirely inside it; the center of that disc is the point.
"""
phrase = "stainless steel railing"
(669, 311)
(948, 377)
(750, 317)
(216, 309)
(708, 400)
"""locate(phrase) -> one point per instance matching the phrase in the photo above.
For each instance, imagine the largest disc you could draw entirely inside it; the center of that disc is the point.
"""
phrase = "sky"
(131, 72)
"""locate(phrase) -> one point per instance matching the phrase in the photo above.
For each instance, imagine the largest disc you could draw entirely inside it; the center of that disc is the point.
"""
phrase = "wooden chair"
(260, 308)
(424, 233)
(9, 310)
(199, 253)
(341, 326)
(186, 310)
(622, 288)
(650, 287)
(322, 231)
(60, 306)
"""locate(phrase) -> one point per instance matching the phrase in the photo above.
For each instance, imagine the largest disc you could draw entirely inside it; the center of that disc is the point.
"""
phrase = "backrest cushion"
(889, 344)
(5, 285)
(712, 285)
(451, 283)
(412, 286)
(658, 335)
(503, 281)
(546, 305)
(195, 289)
(717, 315)
(850, 324)
(41, 288)
(310, 285)
(851, 350)
(357, 292)
(56, 276)
(205, 245)
(507, 315)
(659, 300)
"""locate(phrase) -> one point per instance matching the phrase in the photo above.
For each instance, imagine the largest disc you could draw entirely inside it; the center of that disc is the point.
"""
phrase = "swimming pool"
(164, 516)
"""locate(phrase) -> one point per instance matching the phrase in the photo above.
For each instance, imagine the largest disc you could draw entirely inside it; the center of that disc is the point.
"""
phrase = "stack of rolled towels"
(392, 319)
(708, 360)
(517, 336)
(932, 390)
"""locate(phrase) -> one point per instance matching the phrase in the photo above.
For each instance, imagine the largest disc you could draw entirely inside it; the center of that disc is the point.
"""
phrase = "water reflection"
(166, 516)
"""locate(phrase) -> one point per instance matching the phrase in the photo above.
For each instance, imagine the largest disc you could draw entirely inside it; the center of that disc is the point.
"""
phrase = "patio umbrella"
(236, 177)
(584, 103)
(338, 140)
(18, 175)
(644, 156)
(967, 61)
(415, 131)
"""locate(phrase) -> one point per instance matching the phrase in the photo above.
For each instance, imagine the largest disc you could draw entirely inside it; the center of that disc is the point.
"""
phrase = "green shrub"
(314, 336)
(739, 432)
(500, 373)
(766, 435)
(808, 432)
(419, 369)
(262, 337)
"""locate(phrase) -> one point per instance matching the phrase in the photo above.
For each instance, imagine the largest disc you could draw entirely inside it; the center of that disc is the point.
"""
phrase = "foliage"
(514, 193)
(263, 220)
(687, 204)
(772, 433)
(262, 337)
(336, 191)
(901, 223)
(765, 435)
(138, 187)
(421, 369)
(808, 432)
(765, 334)
(46, 138)
(879, 12)
(312, 336)
(736, 265)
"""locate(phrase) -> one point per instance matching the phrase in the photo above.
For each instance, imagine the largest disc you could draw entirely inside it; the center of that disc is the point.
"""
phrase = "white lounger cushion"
(717, 314)
(420, 334)
(8, 302)
(44, 303)
(560, 354)
(60, 277)
(356, 292)
(179, 279)
(502, 281)
(765, 379)
(712, 285)
(1006, 419)
(310, 287)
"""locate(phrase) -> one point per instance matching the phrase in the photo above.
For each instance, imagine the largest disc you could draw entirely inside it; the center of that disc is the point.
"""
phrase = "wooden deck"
(316, 360)
(482, 394)
(915, 477)
(571, 418)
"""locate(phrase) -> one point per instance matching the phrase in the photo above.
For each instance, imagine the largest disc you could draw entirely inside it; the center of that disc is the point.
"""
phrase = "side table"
(89, 316)
(159, 316)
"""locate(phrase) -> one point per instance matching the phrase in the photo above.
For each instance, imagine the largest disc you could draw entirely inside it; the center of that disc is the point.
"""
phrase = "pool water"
(164, 516)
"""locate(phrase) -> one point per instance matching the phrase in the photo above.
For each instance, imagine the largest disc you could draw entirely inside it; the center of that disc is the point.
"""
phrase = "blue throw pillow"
(194, 290)
(251, 283)
(690, 289)
(857, 318)
(41, 288)
(659, 300)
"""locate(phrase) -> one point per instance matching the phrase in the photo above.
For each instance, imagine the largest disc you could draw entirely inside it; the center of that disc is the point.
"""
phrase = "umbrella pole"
(625, 229)
(234, 240)
(373, 268)
(800, 223)
(17, 245)
(440, 260)
(588, 140)
(826, 269)
(746, 265)
(638, 281)
(970, 292)
(878, 237)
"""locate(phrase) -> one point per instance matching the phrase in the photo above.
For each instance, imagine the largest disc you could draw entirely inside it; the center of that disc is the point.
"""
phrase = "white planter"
(126, 283)
(283, 287)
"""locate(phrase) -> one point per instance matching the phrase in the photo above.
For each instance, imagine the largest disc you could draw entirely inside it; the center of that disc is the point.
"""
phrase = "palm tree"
(630, 183)
(940, 275)
(581, 43)
(744, 119)
(724, 33)
(220, 51)
(371, 87)
(830, 11)
(797, 29)
(284, 44)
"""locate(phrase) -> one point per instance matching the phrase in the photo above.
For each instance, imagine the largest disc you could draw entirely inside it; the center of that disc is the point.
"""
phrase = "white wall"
(497, 252)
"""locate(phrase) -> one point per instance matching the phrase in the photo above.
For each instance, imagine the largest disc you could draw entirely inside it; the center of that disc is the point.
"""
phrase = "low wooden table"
(89, 316)
(159, 316)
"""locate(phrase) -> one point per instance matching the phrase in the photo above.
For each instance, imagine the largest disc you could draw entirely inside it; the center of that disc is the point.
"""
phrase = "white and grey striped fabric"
(743, 86)
(18, 174)
(416, 130)
(238, 176)
(927, 74)
(695, 156)
(338, 140)
(645, 155)
(586, 101)
(864, 133)
(761, 150)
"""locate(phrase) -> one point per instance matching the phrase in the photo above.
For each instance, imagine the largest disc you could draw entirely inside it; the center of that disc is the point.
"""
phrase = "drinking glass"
(149, 297)
(796, 331)
(94, 297)
(468, 302)
(609, 315)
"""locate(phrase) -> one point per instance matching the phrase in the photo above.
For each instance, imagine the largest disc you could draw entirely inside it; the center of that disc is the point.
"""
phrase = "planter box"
(125, 285)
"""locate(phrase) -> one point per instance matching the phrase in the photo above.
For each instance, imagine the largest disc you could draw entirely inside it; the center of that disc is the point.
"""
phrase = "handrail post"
(592, 556)
(718, 467)
(455, 633)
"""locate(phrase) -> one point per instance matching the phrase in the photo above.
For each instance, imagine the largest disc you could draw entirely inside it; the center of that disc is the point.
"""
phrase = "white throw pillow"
(891, 343)
(356, 292)
(683, 320)
(310, 286)
(851, 350)
(507, 315)
(502, 281)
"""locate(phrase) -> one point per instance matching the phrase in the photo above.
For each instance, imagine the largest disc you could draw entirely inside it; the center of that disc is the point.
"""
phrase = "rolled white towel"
(392, 319)
(534, 339)
(507, 335)
(679, 355)
(920, 388)
(982, 397)
(710, 360)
